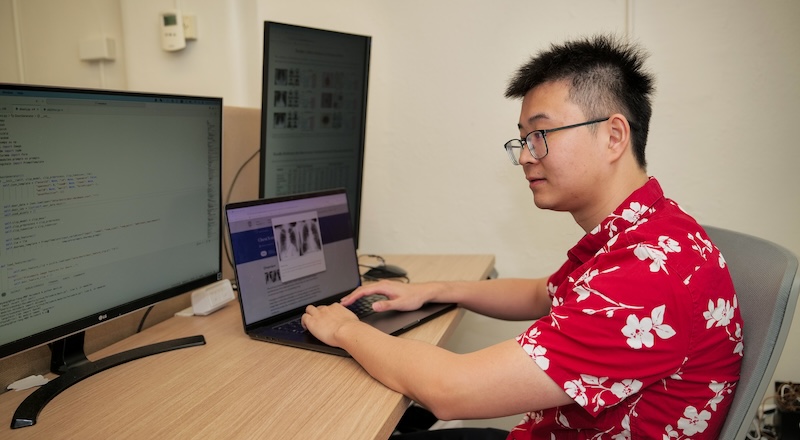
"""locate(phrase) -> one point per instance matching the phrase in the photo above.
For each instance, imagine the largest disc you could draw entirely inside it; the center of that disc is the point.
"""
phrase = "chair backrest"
(765, 277)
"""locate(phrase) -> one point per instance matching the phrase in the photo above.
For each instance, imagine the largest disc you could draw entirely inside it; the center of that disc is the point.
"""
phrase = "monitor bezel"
(103, 316)
(266, 94)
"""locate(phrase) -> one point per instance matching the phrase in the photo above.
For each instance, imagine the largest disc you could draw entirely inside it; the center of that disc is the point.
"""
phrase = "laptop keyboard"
(362, 308)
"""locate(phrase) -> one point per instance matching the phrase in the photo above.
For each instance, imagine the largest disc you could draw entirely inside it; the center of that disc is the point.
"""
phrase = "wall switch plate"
(190, 27)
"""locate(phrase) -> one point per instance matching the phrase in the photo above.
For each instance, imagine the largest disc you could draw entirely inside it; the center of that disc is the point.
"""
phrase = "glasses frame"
(510, 145)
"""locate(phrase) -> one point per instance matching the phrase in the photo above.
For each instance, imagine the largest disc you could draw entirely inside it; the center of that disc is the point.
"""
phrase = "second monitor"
(313, 112)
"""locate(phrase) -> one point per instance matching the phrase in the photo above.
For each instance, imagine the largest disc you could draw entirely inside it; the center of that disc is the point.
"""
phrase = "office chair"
(765, 277)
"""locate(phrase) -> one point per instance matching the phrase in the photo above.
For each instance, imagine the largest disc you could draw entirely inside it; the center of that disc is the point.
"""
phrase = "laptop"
(292, 251)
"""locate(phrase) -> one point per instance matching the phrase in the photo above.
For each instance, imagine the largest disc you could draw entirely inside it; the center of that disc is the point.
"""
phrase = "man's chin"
(540, 202)
(543, 203)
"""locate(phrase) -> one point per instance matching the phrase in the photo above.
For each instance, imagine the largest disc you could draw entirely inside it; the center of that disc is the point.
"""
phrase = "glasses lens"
(514, 148)
(537, 144)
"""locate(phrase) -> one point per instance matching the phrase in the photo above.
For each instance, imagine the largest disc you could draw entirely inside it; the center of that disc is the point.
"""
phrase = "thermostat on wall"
(172, 36)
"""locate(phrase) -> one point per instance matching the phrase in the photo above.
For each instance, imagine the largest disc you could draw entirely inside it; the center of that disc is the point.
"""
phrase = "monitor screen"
(110, 203)
(313, 112)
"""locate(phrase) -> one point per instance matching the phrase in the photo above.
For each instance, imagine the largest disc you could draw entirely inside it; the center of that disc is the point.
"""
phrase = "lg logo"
(102, 317)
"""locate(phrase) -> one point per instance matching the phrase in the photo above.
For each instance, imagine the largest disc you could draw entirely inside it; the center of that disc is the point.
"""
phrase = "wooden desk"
(235, 387)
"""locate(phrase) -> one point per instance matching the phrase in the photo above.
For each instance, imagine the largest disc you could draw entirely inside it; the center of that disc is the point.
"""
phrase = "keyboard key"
(362, 308)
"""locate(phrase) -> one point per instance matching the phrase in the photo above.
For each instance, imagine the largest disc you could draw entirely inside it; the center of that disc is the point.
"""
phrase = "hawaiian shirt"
(644, 332)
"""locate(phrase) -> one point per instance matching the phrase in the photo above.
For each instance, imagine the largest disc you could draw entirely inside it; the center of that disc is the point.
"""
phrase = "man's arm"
(497, 381)
(508, 299)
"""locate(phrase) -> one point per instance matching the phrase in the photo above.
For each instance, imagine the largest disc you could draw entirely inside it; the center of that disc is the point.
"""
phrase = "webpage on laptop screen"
(291, 253)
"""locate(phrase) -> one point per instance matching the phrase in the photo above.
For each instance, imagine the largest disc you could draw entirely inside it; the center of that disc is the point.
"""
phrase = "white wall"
(40, 41)
(722, 140)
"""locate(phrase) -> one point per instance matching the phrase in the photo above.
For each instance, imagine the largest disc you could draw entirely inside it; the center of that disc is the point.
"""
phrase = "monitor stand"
(69, 360)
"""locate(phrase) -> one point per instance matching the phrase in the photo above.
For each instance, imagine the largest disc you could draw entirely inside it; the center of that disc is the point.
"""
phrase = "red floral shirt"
(644, 332)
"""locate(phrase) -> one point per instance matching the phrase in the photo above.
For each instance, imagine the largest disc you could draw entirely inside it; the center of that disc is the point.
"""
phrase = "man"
(637, 335)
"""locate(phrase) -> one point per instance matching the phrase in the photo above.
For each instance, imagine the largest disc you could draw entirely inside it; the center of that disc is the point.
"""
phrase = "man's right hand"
(402, 296)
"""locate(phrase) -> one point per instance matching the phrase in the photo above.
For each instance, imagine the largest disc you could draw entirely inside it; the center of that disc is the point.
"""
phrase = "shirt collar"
(634, 210)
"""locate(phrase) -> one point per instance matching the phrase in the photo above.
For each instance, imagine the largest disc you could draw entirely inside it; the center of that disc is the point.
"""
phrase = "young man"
(637, 335)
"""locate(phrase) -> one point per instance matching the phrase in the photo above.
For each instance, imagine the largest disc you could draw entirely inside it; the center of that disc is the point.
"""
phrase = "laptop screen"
(291, 251)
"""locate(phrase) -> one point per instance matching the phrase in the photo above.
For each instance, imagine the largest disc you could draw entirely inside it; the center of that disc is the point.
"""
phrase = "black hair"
(606, 76)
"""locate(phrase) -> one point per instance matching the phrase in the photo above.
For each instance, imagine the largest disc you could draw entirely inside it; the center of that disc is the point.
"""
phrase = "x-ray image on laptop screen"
(291, 251)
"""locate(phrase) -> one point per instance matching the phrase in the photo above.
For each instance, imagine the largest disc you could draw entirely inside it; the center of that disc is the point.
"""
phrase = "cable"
(369, 278)
(141, 323)
(228, 197)
(382, 261)
(378, 257)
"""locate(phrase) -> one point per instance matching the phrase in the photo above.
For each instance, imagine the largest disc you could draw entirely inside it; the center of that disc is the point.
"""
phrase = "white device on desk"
(209, 299)
(172, 36)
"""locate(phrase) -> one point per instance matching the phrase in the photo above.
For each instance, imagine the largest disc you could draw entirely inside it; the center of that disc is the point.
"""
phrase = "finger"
(358, 294)
(382, 306)
(306, 316)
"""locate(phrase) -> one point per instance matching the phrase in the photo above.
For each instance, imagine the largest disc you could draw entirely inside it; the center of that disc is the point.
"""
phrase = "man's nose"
(525, 156)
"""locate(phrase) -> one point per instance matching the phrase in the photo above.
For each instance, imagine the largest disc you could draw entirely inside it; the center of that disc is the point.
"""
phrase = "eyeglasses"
(536, 141)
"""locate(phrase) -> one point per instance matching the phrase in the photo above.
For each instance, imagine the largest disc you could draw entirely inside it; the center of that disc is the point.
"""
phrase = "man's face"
(570, 177)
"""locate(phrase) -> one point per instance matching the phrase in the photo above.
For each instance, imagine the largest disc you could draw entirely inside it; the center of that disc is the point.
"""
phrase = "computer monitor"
(313, 112)
(110, 203)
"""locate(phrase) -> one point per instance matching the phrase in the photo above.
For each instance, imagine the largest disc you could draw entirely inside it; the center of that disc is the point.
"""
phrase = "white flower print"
(535, 417)
(657, 255)
(636, 226)
(719, 389)
(584, 290)
(556, 302)
(663, 331)
(625, 434)
(693, 422)
(538, 356)
(582, 287)
(534, 350)
(721, 260)
(577, 391)
(668, 244)
(701, 245)
(632, 214)
(626, 425)
(562, 420)
(677, 375)
(720, 315)
(607, 247)
(639, 331)
(626, 388)
(737, 337)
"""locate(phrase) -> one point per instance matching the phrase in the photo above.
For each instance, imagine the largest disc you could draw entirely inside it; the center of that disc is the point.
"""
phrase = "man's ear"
(619, 136)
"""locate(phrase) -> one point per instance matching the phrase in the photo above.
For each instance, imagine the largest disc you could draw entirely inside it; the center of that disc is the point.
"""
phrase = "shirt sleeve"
(617, 324)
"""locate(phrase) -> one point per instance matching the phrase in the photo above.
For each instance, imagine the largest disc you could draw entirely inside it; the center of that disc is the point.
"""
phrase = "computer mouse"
(386, 271)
